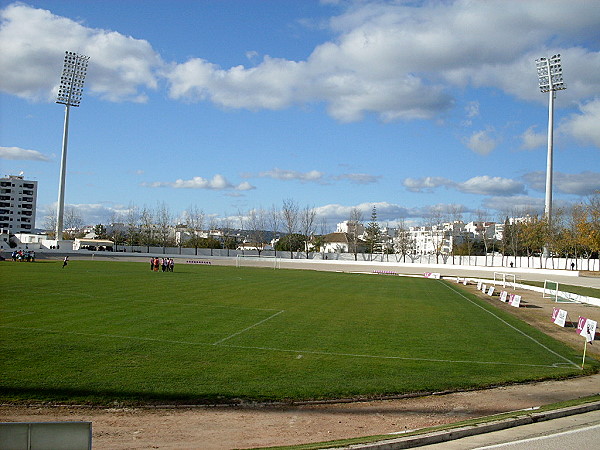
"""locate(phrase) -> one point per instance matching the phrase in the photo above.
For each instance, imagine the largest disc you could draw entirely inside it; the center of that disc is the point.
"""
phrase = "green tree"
(373, 232)
(100, 231)
(291, 243)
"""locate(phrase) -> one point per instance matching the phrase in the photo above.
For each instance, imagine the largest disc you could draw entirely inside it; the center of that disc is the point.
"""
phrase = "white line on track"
(541, 438)
(509, 325)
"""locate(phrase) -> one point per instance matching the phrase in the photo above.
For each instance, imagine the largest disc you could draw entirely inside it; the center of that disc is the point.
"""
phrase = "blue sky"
(232, 105)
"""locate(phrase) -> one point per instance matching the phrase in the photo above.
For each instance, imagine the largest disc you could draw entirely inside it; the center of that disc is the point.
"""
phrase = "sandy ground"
(261, 426)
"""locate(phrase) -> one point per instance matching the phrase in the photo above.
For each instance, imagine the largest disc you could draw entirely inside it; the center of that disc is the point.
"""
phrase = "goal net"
(258, 261)
(550, 290)
(506, 279)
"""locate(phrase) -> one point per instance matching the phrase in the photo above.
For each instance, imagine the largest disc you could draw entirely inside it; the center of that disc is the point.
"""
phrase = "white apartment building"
(17, 204)
(356, 229)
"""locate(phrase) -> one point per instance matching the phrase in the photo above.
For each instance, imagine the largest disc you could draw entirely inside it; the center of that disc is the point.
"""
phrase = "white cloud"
(217, 182)
(426, 184)
(582, 184)
(486, 185)
(532, 140)
(584, 127)
(385, 211)
(515, 206)
(280, 174)
(396, 60)
(21, 154)
(32, 46)
(358, 178)
(482, 142)
(482, 185)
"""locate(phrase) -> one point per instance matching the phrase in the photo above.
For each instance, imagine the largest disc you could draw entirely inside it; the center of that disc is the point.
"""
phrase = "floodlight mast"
(70, 92)
(551, 80)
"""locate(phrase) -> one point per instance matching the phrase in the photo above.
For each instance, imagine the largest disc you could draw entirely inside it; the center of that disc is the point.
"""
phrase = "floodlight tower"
(551, 80)
(70, 92)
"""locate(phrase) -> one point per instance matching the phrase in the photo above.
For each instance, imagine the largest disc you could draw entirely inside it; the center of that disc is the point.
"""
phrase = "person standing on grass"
(65, 261)
(152, 263)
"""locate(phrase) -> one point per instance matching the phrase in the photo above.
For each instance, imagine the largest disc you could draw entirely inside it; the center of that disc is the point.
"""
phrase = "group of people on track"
(167, 264)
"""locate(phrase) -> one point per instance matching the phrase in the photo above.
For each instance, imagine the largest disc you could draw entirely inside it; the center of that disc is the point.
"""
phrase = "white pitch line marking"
(271, 349)
(511, 326)
(248, 328)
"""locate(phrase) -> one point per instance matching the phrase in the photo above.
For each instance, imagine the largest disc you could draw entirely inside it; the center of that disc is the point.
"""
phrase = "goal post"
(258, 261)
(506, 279)
(550, 290)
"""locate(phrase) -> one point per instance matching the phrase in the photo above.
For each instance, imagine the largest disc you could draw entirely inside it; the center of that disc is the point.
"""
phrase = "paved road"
(580, 431)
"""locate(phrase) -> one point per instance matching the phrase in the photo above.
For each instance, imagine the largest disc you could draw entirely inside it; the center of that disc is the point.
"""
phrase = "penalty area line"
(402, 358)
(248, 328)
(281, 350)
(511, 326)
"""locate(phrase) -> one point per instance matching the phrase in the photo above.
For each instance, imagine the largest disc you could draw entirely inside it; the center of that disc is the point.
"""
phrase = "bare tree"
(323, 232)
(213, 224)
(307, 224)
(289, 214)
(241, 218)
(434, 222)
(146, 227)
(257, 222)
(195, 223)
(164, 223)
(132, 222)
(484, 225)
(228, 240)
(274, 219)
(354, 223)
(50, 222)
(403, 240)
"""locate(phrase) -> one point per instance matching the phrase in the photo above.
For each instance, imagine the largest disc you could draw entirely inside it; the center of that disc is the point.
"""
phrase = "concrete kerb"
(472, 430)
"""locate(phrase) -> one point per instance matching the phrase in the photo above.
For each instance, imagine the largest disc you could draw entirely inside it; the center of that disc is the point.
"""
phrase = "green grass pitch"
(106, 332)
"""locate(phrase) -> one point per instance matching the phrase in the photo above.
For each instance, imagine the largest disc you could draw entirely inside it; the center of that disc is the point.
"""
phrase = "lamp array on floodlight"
(70, 90)
(550, 74)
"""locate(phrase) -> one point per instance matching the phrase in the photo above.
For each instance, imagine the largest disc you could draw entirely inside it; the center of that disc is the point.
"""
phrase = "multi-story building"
(17, 204)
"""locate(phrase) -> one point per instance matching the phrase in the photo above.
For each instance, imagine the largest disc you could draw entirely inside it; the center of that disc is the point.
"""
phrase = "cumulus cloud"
(280, 174)
(482, 142)
(401, 61)
(531, 139)
(32, 46)
(396, 60)
(584, 126)
(582, 184)
(358, 178)
(482, 185)
(486, 185)
(21, 154)
(426, 184)
(217, 182)
(515, 206)
(385, 211)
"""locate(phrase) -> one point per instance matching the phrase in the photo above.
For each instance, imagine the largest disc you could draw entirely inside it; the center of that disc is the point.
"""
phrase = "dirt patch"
(260, 426)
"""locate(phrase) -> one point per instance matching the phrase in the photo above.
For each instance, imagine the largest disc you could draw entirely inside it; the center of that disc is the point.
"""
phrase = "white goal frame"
(552, 293)
(505, 278)
(275, 264)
